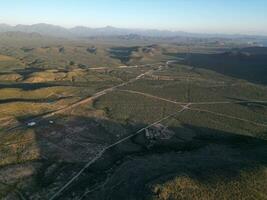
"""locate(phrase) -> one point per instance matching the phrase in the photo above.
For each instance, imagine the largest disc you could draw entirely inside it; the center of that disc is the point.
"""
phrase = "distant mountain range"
(81, 31)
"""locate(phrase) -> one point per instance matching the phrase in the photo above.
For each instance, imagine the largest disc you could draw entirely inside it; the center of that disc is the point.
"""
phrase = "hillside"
(118, 119)
(247, 63)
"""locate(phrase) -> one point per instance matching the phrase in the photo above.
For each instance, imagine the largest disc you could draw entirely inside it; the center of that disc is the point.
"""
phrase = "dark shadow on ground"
(28, 86)
(260, 107)
(122, 53)
(241, 63)
(49, 100)
(27, 71)
(127, 169)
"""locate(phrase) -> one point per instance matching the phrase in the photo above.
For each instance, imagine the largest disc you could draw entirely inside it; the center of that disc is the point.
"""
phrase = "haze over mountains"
(82, 31)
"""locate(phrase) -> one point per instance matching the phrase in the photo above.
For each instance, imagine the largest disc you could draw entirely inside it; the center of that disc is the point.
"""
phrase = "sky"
(203, 16)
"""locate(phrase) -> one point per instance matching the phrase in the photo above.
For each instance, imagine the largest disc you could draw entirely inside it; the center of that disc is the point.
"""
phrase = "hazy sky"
(220, 16)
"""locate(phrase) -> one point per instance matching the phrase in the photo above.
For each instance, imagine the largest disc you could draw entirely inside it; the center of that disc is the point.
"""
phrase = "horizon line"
(141, 29)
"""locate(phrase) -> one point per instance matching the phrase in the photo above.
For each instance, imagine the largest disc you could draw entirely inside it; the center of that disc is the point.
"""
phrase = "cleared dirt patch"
(5, 58)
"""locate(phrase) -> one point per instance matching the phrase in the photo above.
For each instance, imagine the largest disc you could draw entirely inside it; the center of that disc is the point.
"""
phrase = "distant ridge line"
(83, 31)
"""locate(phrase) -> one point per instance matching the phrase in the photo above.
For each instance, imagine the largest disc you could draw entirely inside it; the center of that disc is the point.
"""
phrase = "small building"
(31, 124)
